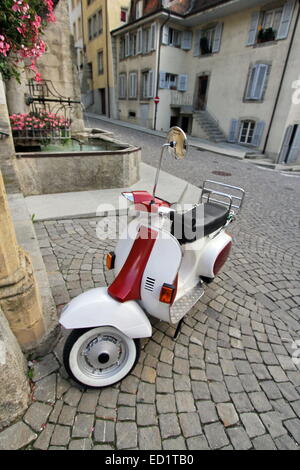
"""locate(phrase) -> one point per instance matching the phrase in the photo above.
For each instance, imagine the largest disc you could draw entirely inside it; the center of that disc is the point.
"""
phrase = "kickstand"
(176, 334)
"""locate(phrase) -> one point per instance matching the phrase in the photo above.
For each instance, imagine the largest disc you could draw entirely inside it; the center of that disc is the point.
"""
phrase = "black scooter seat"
(198, 222)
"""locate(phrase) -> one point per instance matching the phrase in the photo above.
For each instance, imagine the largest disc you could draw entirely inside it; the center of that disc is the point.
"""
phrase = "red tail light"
(167, 294)
(222, 257)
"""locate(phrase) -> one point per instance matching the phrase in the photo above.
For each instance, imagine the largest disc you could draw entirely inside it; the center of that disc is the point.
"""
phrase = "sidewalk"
(90, 203)
(224, 148)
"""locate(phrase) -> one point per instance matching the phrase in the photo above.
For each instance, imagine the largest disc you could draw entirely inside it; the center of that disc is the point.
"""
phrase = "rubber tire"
(70, 342)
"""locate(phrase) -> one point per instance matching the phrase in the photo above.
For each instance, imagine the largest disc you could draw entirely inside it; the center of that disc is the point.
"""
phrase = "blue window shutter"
(217, 38)
(253, 28)
(186, 40)
(182, 82)
(165, 35)
(285, 144)
(258, 132)
(162, 80)
(286, 19)
(232, 136)
(261, 76)
(153, 37)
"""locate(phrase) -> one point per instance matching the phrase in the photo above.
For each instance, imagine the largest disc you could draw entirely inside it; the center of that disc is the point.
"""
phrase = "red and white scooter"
(160, 264)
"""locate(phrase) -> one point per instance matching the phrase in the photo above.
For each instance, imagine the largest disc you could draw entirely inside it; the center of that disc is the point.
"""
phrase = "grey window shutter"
(153, 37)
(285, 144)
(217, 38)
(139, 46)
(162, 80)
(286, 19)
(258, 132)
(182, 82)
(260, 80)
(127, 44)
(165, 35)
(150, 84)
(294, 154)
(251, 82)
(197, 43)
(253, 28)
(232, 136)
(186, 40)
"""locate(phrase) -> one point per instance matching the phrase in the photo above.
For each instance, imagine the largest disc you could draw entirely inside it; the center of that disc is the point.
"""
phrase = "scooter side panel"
(210, 254)
(162, 268)
(97, 308)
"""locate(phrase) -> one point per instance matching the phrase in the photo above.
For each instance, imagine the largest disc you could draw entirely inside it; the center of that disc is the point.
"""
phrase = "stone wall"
(57, 174)
(14, 390)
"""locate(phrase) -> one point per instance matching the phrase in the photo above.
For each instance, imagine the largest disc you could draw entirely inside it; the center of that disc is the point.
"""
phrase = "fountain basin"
(99, 163)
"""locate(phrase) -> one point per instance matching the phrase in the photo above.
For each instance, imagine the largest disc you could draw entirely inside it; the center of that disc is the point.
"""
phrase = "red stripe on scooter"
(127, 285)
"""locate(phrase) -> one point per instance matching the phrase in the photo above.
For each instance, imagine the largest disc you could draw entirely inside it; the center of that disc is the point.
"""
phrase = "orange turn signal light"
(110, 260)
(167, 294)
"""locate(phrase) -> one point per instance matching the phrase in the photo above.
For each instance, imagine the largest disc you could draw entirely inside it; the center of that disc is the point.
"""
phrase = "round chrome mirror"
(178, 143)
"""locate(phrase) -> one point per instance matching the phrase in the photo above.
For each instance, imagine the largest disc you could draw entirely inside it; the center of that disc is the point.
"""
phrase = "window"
(246, 132)
(133, 44)
(122, 47)
(100, 62)
(270, 24)
(173, 82)
(95, 24)
(208, 41)
(139, 9)
(146, 41)
(147, 84)
(122, 86)
(123, 17)
(133, 85)
(257, 82)
(171, 37)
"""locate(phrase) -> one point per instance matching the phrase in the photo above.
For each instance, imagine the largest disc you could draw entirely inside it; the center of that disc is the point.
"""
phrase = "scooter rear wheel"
(99, 357)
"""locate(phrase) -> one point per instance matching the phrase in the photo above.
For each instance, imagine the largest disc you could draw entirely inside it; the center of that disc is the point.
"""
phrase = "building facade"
(222, 70)
(76, 28)
(99, 18)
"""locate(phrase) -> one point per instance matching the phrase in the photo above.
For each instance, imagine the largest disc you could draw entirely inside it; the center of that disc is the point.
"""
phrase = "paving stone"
(104, 431)
(190, 424)
(293, 426)
(164, 385)
(185, 402)
(45, 389)
(253, 424)
(61, 436)
(271, 390)
(197, 443)
(106, 413)
(67, 415)
(169, 425)
(146, 415)
(239, 438)
(241, 402)
(83, 426)
(249, 382)
(81, 444)
(88, 402)
(284, 409)
(273, 423)
(200, 390)
(260, 402)
(43, 441)
(214, 373)
(146, 393)
(176, 443)
(227, 414)
(109, 397)
(165, 403)
(126, 435)
(126, 413)
(264, 443)
(149, 438)
(149, 374)
(219, 392)
(278, 374)
(234, 384)
(286, 443)
(44, 367)
(16, 437)
(72, 397)
(37, 415)
(215, 436)
(288, 391)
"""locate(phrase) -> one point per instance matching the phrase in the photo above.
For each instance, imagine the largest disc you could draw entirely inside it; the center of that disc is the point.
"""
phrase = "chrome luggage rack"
(234, 200)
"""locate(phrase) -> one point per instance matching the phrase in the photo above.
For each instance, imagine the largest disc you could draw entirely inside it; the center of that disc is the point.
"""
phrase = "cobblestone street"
(229, 381)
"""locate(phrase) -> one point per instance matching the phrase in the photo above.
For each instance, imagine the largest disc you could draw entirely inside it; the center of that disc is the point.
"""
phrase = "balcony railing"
(181, 99)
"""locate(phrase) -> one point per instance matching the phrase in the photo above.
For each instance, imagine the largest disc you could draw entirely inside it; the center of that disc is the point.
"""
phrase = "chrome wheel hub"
(102, 352)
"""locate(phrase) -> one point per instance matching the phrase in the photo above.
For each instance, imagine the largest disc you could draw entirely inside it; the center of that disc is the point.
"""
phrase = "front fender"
(97, 308)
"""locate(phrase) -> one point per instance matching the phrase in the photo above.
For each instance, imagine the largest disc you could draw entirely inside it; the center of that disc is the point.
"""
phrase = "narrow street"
(229, 381)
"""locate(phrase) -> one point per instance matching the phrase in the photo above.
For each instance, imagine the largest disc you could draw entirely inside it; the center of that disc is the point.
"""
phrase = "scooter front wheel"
(99, 357)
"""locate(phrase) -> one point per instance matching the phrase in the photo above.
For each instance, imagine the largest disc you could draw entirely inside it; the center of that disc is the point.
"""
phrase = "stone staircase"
(210, 126)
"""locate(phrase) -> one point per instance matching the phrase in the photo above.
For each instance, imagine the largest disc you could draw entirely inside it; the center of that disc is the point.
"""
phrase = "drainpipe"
(107, 58)
(158, 66)
(282, 79)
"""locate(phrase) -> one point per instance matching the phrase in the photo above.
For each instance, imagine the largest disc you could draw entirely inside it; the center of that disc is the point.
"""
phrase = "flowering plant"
(44, 121)
(22, 23)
